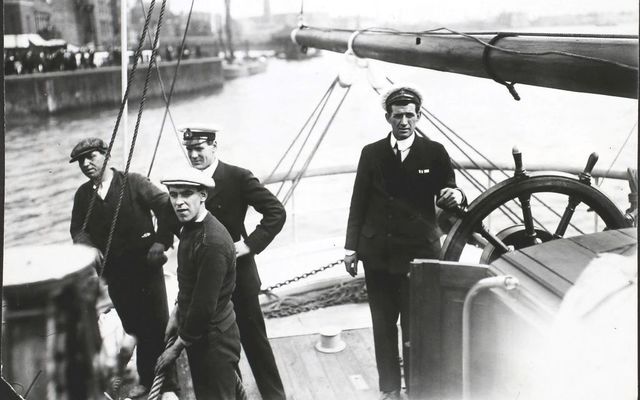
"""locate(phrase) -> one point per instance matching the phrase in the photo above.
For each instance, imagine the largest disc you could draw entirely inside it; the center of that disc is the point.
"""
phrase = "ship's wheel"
(470, 229)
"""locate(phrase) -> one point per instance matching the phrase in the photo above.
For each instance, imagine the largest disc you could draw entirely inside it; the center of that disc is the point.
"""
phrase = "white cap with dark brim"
(198, 134)
(187, 176)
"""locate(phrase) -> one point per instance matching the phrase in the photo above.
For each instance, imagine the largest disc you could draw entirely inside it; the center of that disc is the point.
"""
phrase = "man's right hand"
(351, 264)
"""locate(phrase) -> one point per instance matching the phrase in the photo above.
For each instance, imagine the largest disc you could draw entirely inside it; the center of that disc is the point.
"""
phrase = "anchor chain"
(297, 278)
(353, 291)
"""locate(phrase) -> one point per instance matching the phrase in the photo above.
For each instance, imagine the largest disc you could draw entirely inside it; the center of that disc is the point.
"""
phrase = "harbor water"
(261, 114)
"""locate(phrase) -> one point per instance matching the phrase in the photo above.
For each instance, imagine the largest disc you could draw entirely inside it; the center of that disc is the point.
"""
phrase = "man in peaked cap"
(133, 270)
(392, 221)
(236, 189)
(203, 320)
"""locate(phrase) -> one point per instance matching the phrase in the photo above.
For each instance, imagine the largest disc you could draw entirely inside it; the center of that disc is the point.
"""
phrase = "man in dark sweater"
(236, 190)
(203, 319)
(133, 269)
(392, 220)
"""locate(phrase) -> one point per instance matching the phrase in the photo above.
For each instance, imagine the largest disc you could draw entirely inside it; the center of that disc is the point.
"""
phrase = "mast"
(228, 22)
(465, 55)
(124, 70)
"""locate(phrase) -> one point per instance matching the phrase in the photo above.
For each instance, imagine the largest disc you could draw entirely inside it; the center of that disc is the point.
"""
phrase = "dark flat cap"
(196, 135)
(400, 93)
(86, 146)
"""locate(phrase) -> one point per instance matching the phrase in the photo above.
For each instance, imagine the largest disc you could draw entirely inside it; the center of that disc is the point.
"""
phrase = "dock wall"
(55, 92)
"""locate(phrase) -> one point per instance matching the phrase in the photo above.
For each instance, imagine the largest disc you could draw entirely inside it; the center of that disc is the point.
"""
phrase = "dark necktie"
(398, 154)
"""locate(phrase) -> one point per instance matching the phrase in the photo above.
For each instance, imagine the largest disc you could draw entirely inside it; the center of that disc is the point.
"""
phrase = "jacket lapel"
(219, 176)
(417, 150)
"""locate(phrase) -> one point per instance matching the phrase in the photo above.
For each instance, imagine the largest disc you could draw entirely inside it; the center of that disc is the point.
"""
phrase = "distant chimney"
(266, 10)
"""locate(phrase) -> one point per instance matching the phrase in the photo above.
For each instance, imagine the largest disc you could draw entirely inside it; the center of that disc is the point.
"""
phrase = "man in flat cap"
(133, 269)
(236, 189)
(203, 320)
(392, 221)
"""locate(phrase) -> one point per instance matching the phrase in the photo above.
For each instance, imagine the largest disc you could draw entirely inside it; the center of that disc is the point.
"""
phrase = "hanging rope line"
(633, 129)
(541, 53)
(296, 181)
(301, 15)
(286, 152)
(489, 69)
(315, 122)
(152, 60)
(125, 97)
(166, 99)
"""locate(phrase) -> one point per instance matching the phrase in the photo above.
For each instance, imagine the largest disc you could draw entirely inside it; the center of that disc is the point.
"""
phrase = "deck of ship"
(308, 374)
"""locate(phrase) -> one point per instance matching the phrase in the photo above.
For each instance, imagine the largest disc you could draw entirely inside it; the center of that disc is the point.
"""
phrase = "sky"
(414, 10)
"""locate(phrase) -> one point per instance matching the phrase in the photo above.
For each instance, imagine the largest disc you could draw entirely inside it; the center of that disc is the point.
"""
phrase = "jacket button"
(388, 235)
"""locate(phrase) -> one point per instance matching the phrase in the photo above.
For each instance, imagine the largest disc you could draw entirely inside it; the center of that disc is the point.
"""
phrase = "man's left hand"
(168, 357)
(242, 249)
(156, 255)
(449, 198)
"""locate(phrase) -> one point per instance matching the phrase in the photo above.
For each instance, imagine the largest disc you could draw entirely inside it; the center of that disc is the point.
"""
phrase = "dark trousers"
(255, 343)
(139, 295)
(213, 361)
(388, 298)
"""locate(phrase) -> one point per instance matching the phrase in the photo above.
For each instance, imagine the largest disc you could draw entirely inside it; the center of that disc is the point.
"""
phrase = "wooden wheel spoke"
(527, 218)
(566, 217)
(493, 239)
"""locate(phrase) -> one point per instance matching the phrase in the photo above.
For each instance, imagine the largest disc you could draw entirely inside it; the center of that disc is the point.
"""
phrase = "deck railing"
(618, 174)
(494, 173)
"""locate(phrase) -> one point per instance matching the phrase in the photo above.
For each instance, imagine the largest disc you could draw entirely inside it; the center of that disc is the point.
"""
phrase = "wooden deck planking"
(311, 375)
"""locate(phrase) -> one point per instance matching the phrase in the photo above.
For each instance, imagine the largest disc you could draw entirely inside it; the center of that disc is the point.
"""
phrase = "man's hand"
(172, 325)
(351, 264)
(169, 355)
(242, 249)
(449, 198)
(156, 256)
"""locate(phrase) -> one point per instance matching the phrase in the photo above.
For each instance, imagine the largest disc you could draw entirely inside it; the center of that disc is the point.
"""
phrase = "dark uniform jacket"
(392, 214)
(235, 190)
(134, 230)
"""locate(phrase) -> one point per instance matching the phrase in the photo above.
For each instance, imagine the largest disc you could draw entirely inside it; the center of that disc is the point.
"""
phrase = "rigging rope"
(286, 152)
(296, 181)
(167, 100)
(125, 97)
(633, 128)
(152, 60)
(324, 101)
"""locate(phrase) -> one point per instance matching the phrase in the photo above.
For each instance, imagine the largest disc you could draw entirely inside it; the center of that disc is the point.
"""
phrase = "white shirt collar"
(103, 189)
(403, 144)
(211, 168)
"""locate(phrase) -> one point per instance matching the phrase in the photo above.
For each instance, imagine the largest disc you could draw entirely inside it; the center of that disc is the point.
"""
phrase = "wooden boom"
(603, 65)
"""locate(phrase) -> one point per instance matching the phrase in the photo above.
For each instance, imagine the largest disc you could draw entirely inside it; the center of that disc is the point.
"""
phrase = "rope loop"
(350, 43)
(489, 69)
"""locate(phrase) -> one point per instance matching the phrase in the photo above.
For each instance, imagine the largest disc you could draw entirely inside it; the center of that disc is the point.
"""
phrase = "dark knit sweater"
(206, 278)
(134, 229)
